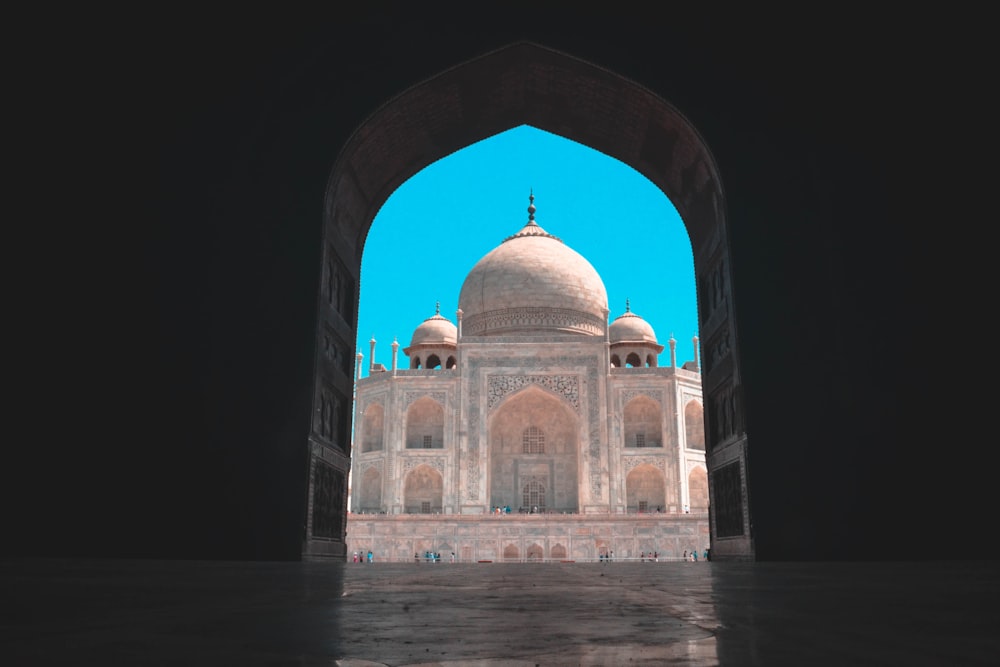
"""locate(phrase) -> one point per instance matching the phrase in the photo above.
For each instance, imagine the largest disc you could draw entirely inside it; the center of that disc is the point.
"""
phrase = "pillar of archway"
(525, 83)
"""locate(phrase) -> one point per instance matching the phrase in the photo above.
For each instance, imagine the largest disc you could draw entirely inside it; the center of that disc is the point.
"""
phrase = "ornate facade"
(533, 403)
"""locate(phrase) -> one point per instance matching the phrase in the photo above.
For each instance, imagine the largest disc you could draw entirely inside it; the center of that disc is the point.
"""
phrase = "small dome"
(630, 328)
(435, 330)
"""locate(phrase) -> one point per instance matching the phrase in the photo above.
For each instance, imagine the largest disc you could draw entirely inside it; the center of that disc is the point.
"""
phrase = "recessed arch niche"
(526, 83)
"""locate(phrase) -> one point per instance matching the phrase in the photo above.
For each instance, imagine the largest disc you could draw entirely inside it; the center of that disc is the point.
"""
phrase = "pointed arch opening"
(694, 426)
(373, 428)
(533, 445)
(370, 492)
(423, 491)
(425, 424)
(646, 489)
(592, 106)
(643, 420)
(698, 489)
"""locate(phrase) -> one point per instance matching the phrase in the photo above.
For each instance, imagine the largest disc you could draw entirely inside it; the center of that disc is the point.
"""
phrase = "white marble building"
(530, 400)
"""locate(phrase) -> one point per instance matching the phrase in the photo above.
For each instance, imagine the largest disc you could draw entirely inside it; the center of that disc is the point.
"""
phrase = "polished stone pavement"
(134, 612)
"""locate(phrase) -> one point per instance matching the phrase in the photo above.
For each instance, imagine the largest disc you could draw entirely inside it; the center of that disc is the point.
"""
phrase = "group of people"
(431, 557)
(652, 556)
(360, 557)
(693, 555)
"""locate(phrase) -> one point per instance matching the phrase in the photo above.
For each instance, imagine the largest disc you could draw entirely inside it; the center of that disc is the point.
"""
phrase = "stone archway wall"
(698, 489)
(643, 416)
(423, 485)
(525, 83)
(370, 491)
(646, 484)
(373, 428)
(556, 469)
(425, 418)
(694, 426)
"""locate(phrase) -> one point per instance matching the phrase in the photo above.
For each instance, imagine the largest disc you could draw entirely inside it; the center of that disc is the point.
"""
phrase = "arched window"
(533, 495)
(533, 440)
(643, 420)
(425, 424)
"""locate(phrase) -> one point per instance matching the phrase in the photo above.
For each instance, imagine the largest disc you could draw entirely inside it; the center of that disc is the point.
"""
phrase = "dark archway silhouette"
(525, 83)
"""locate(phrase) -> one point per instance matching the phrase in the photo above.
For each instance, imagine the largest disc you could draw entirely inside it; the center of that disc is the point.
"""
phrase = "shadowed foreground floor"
(220, 613)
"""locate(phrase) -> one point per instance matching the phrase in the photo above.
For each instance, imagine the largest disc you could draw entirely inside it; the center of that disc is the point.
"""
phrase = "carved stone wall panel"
(500, 386)
(332, 419)
(411, 396)
(629, 463)
(726, 416)
(655, 394)
(336, 352)
(727, 499)
(718, 348)
(411, 462)
(714, 288)
(692, 464)
(328, 497)
(374, 399)
(338, 286)
(365, 466)
(531, 317)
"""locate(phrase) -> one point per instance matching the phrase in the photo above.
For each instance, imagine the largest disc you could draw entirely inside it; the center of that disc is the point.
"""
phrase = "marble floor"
(135, 612)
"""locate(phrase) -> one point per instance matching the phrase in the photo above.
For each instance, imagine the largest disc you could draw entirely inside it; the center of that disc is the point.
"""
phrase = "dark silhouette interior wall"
(181, 386)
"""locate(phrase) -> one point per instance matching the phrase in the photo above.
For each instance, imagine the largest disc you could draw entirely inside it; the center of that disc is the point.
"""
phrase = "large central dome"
(533, 283)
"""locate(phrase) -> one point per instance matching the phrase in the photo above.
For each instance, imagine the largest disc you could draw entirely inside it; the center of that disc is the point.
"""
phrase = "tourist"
(371, 557)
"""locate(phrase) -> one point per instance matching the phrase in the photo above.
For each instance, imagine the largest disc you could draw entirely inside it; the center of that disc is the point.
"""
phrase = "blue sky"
(435, 227)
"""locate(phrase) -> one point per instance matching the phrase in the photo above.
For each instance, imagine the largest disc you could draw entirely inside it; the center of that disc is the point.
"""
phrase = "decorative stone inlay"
(655, 394)
(691, 465)
(377, 399)
(528, 317)
(595, 484)
(410, 463)
(411, 396)
(631, 462)
(368, 465)
(500, 386)
(687, 398)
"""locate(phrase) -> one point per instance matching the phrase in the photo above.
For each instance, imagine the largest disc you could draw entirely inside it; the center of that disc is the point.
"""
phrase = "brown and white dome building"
(530, 400)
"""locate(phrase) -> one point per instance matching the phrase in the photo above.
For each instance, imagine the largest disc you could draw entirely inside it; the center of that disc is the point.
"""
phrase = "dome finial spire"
(531, 206)
(437, 307)
(628, 309)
